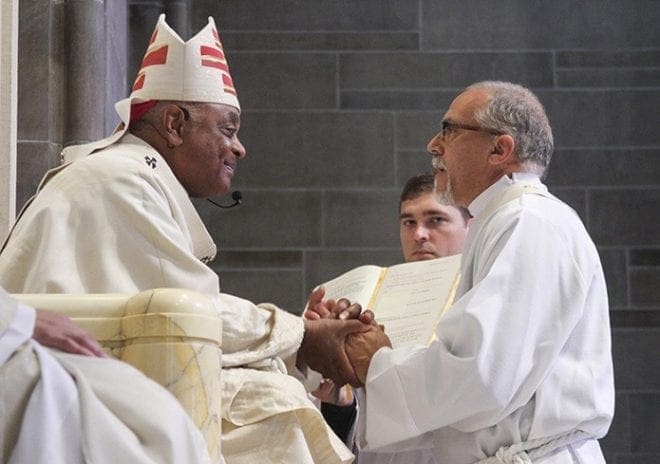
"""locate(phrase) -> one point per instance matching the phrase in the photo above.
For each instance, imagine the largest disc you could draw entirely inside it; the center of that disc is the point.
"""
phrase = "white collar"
(479, 204)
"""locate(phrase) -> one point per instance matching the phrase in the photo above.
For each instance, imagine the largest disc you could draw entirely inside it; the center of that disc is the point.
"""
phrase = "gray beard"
(446, 197)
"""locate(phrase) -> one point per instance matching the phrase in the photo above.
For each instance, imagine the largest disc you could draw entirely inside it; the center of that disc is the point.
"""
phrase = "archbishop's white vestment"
(119, 221)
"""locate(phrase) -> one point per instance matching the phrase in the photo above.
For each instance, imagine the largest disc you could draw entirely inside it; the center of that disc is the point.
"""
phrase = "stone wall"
(71, 69)
(339, 99)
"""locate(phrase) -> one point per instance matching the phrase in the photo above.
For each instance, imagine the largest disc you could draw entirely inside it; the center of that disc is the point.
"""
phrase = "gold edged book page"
(408, 299)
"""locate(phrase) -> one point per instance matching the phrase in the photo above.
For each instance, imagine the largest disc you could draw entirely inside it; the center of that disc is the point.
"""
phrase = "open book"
(408, 299)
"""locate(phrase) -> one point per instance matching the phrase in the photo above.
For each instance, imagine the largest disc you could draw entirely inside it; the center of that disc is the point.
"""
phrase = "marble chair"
(171, 335)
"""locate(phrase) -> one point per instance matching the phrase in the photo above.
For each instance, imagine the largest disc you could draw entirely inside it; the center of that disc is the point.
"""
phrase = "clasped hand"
(340, 339)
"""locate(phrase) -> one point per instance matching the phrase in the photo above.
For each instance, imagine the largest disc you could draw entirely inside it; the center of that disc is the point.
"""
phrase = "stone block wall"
(71, 70)
(339, 99)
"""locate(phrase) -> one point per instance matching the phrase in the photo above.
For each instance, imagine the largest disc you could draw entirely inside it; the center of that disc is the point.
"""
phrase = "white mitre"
(194, 71)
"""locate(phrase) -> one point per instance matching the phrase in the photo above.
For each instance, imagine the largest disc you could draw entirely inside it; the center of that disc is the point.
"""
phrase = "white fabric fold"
(516, 359)
(118, 221)
(67, 409)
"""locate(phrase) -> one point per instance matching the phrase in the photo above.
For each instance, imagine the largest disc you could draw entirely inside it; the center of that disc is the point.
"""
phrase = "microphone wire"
(236, 195)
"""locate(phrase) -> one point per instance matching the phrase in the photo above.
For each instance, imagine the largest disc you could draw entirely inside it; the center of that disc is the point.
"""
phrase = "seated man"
(118, 218)
(55, 396)
(427, 230)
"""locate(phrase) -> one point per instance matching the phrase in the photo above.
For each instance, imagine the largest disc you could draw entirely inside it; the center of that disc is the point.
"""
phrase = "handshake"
(340, 339)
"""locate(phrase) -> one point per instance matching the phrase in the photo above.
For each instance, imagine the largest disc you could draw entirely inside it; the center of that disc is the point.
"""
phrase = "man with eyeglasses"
(522, 370)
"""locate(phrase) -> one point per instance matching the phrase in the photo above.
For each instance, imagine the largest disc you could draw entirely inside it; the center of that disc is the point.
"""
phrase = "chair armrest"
(173, 336)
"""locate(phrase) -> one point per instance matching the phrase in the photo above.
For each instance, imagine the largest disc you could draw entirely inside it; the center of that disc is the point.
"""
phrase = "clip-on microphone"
(235, 195)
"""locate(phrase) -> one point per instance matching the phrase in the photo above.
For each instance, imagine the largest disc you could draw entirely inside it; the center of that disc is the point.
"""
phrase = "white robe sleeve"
(499, 342)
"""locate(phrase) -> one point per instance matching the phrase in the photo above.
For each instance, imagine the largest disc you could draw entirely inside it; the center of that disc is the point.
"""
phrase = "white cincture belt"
(523, 453)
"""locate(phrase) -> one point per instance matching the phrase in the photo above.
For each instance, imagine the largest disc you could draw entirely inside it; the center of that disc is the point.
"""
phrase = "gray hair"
(514, 110)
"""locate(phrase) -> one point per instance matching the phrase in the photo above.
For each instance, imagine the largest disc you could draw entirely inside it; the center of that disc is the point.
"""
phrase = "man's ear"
(173, 122)
(502, 151)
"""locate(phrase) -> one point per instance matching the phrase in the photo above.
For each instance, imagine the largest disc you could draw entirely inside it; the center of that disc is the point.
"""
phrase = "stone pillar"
(72, 57)
(95, 34)
(142, 17)
(40, 93)
(116, 49)
(85, 64)
(8, 104)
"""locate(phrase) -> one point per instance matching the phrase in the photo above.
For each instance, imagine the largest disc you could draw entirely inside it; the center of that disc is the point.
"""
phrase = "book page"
(412, 298)
(357, 285)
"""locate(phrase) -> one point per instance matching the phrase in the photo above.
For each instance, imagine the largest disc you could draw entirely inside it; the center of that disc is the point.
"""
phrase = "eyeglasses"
(449, 128)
